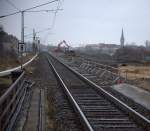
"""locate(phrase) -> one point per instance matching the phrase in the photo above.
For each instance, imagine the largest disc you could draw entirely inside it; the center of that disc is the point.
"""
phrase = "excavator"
(65, 49)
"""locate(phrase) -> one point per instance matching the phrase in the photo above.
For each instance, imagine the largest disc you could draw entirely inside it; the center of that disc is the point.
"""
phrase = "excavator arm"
(60, 44)
(65, 49)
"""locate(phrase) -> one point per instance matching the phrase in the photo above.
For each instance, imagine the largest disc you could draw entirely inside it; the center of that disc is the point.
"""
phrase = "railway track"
(46, 90)
(105, 78)
(97, 109)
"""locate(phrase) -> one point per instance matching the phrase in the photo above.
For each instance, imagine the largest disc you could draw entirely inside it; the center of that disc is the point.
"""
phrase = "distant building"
(122, 39)
(103, 48)
(147, 44)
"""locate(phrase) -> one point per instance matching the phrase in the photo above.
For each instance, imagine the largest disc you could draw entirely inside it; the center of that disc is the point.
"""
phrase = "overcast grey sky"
(83, 21)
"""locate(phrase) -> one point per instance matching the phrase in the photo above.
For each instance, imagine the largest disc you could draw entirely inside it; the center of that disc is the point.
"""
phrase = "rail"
(140, 119)
(107, 67)
(95, 65)
(72, 100)
(9, 101)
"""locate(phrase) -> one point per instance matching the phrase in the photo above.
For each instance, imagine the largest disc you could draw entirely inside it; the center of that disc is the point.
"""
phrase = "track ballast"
(96, 110)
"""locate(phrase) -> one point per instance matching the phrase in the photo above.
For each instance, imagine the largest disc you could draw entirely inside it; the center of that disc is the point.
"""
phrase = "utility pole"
(22, 37)
(22, 45)
(33, 44)
(22, 27)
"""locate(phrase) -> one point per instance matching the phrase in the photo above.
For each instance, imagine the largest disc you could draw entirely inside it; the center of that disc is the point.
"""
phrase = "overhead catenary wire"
(3, 16)
(40, 5)
(55, 13)
(54, 18)
(47, 29)
(28, 9)
(46, 36)
(13, 5)
(44, 10)
(53, 21)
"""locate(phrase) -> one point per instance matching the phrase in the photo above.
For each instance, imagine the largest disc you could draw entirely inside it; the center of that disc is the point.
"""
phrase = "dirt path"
(32, 123)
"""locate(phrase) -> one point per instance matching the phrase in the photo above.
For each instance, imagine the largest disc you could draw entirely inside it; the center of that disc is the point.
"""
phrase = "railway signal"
(21, 49)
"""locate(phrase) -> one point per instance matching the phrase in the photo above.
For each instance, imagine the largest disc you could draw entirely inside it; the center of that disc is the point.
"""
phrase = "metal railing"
(9, 101)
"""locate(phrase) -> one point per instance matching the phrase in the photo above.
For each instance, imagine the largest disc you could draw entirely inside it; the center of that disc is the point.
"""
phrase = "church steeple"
(122, 39)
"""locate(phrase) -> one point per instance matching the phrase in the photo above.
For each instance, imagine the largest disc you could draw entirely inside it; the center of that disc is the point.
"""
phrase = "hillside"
(8, 49)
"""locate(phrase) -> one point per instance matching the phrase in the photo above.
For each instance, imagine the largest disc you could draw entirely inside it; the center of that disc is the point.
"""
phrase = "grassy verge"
(8, 62)
(4, 84)
(139, 74)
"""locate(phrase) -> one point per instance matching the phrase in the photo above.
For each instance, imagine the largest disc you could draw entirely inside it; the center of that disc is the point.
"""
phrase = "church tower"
(122, 39)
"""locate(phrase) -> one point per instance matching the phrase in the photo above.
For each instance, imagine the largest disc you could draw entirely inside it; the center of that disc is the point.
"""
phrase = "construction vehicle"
(65, 49)
(61, 48)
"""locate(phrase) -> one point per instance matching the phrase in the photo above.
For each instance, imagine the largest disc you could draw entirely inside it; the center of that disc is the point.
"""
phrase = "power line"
(38, 32)
(54, 18)
(43, 10)
(13, 5)
(40, 5)
(46, 36)
(2, 16)
(28, 9)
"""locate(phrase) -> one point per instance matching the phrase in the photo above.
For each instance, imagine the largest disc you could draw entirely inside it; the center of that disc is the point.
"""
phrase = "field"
(5, 82)
(8, 62)
(135, 72)
(139, 74)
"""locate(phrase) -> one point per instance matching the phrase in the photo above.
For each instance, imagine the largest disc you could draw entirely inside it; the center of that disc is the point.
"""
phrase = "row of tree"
(127, 54)
(131, 54)
(8, 45)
